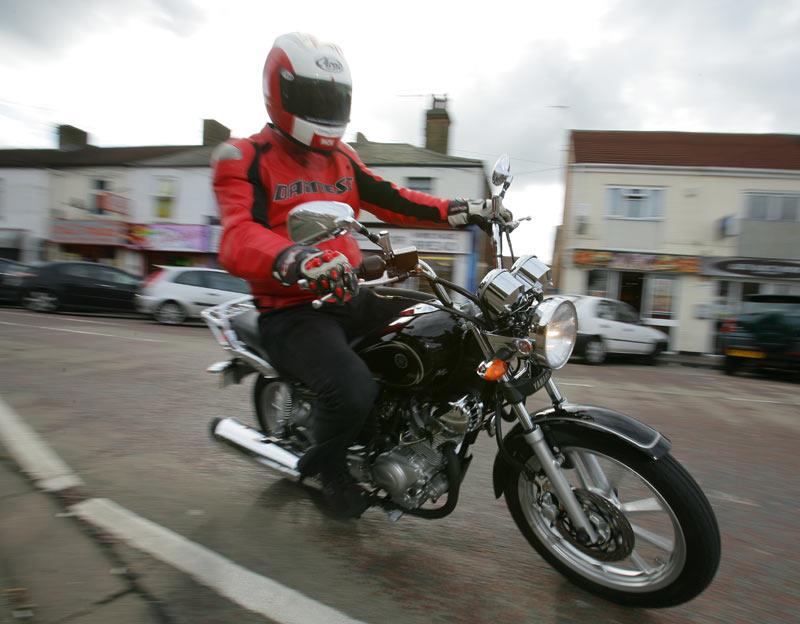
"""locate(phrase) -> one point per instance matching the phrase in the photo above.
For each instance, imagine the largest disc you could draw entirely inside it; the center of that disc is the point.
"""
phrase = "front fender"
(596, 428)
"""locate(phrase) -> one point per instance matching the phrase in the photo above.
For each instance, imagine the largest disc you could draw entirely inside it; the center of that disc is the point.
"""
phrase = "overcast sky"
(518, 74)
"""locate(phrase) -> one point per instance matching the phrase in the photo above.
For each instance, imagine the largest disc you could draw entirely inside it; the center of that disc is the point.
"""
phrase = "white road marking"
(33, 454)
(60, 317)
(730, 498)
(240, 585)
(78, 331)
(570, 383)
(757, 400)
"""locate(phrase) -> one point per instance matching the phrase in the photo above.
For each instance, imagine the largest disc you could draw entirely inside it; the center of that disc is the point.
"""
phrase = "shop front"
(12, 243)
(175, 245)
(91, 241)
(734, 279)
(451, 253)
(650, 283)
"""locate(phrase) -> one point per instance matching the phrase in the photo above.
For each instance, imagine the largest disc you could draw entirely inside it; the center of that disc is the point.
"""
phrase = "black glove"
(322, 272)
(463, 212)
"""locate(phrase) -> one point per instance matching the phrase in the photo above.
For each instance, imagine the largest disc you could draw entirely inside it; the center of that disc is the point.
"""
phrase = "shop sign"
(429, 241)
(751, 267)
(69, 232)
(628, 261)
(169, 237)
(214, 238)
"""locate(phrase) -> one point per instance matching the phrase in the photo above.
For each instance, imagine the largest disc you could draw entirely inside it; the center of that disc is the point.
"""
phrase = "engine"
(413, 471)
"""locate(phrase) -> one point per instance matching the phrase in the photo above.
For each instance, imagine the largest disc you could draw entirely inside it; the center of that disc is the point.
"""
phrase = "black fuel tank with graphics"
(425, 347)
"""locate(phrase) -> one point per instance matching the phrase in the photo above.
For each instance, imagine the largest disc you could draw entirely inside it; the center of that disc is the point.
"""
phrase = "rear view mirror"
(317, 221)
(502, 171)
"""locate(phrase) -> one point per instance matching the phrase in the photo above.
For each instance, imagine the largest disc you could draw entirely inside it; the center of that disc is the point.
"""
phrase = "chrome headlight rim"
(554, 331)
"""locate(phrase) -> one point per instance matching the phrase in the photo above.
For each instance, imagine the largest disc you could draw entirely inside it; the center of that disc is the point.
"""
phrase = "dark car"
(12, 275)
(765, 334)
(59, 285)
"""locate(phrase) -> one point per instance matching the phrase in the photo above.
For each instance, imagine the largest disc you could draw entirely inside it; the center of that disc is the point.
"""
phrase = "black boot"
(345, 497)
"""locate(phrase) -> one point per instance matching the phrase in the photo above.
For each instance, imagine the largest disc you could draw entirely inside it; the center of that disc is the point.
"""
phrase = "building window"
(659, 301)
(635, 203)
(96, 196)
(773, 207)
(164, 199)
(597, 284)
(424, 185)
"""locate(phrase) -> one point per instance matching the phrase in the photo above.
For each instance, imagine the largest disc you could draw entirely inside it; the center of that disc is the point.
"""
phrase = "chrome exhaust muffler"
(256, 445)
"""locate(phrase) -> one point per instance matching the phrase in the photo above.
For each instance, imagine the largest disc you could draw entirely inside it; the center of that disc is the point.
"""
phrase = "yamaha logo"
(330, 65)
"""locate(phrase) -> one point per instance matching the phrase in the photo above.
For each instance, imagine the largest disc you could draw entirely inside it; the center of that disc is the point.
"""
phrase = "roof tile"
(687, 149)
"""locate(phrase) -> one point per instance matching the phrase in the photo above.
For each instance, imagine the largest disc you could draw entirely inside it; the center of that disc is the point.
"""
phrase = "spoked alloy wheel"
(658, 538)
(41, 301)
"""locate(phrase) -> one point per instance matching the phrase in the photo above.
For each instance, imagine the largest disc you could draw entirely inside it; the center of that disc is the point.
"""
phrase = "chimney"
(437, 125)
(214, 132)
(71, 138)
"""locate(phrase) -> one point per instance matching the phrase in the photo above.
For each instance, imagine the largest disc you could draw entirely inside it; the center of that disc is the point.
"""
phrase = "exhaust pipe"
(255, 445)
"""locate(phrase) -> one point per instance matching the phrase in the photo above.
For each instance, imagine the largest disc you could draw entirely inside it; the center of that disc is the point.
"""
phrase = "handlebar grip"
(372, 267)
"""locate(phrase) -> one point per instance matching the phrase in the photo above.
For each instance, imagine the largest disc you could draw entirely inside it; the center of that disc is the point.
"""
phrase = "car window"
(76, 270)
(626, 314)
(117, 277)
(605, 310)
(223, 281)
(192, 278)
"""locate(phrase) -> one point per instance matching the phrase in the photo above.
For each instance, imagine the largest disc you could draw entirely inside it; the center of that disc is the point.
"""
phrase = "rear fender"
(596, 428)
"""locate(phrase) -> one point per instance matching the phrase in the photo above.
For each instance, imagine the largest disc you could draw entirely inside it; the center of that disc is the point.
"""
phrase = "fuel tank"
(425, 347)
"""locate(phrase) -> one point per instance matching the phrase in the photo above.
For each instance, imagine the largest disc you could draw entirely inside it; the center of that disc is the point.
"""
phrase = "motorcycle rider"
(300, 157)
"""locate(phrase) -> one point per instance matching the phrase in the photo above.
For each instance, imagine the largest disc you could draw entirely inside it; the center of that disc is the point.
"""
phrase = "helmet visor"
(317, 101)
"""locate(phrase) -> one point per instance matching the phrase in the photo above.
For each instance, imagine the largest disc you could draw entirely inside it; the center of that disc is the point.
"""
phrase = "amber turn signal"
(493, 370)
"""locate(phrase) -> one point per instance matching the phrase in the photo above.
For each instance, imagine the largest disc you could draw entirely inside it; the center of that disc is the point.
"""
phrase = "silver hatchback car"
(173, 294)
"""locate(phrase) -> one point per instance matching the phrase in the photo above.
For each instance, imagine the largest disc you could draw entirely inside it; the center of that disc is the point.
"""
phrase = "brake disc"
(616, 540)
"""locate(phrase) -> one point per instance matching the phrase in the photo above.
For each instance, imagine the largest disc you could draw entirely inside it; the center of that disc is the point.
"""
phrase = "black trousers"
(313, 347)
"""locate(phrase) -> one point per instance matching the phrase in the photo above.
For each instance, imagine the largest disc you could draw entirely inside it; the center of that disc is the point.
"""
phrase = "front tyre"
(659, 541)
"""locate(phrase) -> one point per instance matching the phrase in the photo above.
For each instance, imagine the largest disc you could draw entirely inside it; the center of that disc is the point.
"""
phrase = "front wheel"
(658, 544)
(41, 301)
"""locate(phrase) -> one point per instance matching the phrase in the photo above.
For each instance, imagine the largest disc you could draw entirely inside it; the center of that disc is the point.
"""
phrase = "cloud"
(47, 27)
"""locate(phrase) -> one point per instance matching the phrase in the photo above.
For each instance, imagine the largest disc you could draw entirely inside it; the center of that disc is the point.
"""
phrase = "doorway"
(631, 289)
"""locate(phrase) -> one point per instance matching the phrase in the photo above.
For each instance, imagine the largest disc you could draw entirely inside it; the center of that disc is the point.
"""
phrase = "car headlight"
(554, 331)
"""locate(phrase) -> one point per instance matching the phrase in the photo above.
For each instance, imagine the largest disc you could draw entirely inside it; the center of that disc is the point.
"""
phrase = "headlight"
(554, 331)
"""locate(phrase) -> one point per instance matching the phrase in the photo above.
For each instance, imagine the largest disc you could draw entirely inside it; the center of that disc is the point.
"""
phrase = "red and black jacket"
(257, 181)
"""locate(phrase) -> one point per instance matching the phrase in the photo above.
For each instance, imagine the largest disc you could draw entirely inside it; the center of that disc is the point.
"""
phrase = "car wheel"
(170, 313)
(41, 301)
(655, 355)
(731, 365)
(595, 351)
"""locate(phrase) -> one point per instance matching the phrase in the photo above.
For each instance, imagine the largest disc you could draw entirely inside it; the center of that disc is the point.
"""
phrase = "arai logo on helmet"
(330, 65)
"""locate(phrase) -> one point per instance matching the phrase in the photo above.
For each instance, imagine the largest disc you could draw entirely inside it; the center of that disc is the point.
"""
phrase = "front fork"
(535, 437)
(551, 466)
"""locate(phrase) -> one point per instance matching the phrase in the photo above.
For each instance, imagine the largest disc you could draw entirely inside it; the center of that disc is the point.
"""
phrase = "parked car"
(765, 334)
(56, 285)
(12, 274)
(609, 326)
(173, 294)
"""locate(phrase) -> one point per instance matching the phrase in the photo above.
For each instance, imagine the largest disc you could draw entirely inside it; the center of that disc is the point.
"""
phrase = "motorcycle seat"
(246, 327)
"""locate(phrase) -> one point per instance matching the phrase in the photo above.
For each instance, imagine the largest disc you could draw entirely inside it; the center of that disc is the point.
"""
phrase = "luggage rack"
(218, 319)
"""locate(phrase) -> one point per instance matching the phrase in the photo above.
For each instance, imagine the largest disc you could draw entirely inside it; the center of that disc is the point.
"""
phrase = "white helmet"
(307, 89)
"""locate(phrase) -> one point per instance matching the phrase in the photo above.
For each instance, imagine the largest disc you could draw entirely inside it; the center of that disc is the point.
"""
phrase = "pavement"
(55, 568)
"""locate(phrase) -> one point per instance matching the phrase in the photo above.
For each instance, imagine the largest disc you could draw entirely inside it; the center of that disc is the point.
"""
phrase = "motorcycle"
(595, 492)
